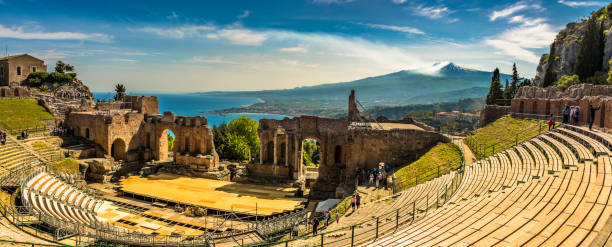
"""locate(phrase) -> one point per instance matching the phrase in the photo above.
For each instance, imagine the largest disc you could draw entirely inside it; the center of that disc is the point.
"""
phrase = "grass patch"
(502, 134)
(19, 114)
(68, 165)
(446, 156)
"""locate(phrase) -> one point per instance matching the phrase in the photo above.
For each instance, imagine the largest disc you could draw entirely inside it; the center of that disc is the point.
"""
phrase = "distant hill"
(450, 83)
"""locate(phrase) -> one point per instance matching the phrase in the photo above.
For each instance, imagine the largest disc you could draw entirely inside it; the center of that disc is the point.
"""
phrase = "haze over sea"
(190, 104)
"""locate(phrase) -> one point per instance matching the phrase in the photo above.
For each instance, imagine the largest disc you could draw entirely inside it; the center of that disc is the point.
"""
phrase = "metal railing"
(484, 150)
(375, 227)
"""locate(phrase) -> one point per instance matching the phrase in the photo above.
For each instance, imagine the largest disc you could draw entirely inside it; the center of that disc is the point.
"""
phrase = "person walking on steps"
(566, 113)
(592, 116)
(576, 115)
(315, 225)
(551, 122)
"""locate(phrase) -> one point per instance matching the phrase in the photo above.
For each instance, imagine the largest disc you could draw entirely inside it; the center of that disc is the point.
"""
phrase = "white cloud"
(51, 54)
(121, 60)
(214, 60)
(131, 53)
(454, 20)
(241, 36)
(19, 33)
(399, 1)
(431, 12)
(297, 63)
(517, 41)
(244, 14)
(526, 21)
(575, 4)
(299, 48)
(172, 16)
(510, 10)
(403, 29)
(178, 32)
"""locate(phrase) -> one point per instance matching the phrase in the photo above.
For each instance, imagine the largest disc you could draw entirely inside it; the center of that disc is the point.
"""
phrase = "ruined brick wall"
(14, 92)
(551, 100)
(140, 135)
(490, 113)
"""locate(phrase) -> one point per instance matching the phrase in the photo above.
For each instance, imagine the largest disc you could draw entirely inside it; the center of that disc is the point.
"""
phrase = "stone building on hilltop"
(15, 69)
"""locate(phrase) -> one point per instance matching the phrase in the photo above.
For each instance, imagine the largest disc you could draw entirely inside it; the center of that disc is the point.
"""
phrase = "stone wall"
(262, 170)
(26, 64)
(137, 134)
(14, 92)
(551, 100)
(490, 113)
(344, 145)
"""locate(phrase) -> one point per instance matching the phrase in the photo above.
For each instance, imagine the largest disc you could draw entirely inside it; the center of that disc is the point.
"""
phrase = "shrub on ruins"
(56, 77)
(35, 79)
(599, 78)
(170, 143)
(568, 80)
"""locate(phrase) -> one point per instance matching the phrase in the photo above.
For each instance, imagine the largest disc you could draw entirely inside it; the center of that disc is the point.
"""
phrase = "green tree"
(170, 143)
(609, 79)
(247, 128)
(236, 147)
(507, 90)
(495, 91)
(567, 80)
(526, 82)
(311, 152)
(590, 55)
(62, 67)
(550, 75)
(119, 92)
(516, 80)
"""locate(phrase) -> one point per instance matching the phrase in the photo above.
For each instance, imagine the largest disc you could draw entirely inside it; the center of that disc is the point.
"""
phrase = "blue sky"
(186, 46)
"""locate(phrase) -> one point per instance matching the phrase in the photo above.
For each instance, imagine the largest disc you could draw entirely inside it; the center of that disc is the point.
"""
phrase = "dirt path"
(467, 152)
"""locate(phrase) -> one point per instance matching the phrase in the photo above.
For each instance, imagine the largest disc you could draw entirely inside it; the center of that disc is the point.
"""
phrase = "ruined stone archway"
(162, 145)
(119, 149)
(269, 153)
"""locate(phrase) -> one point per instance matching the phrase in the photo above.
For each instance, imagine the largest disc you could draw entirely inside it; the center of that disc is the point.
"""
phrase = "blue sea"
(194, 104)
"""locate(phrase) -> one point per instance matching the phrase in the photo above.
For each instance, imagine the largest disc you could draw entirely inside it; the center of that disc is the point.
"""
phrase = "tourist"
(353, 201)
(296, 230)
(566, 112)
(3, 140)
(358, 200)
(371, 182)
(576, 115)
(326, 218)
(315, 225)
(551, 122)
(592, 116)
(378, 179)
(337, 217)
(572, 111)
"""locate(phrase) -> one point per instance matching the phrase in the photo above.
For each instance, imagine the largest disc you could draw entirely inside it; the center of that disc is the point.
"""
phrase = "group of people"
(71, 95)
(25, 134)
(376, 177)
(62, 130)
(316, 220)
(571, 115)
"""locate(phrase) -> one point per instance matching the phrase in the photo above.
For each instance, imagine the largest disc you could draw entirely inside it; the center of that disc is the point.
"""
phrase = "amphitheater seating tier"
(550, 190)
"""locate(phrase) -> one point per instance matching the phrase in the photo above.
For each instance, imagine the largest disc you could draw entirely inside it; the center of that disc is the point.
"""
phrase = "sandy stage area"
(214, 194)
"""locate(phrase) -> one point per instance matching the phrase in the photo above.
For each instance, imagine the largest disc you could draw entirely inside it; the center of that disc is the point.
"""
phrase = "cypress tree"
(550, 76)
(495, 91)
(515, 81)
(590, 55)
(507, 90)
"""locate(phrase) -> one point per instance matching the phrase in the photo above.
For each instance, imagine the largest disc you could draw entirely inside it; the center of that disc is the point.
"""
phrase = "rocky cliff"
(567, 45)
(574, 92)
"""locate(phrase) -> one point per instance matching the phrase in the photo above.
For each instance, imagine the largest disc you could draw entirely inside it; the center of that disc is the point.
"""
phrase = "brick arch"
(118, 149)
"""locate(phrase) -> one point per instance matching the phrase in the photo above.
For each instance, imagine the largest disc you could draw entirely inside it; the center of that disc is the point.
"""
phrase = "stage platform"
(214, 194)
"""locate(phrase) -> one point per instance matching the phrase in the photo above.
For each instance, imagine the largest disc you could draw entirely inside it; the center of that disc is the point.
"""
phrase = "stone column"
(275, 153)
(286, 149)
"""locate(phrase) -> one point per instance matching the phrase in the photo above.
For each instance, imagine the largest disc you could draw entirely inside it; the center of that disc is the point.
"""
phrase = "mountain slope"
(399, 88)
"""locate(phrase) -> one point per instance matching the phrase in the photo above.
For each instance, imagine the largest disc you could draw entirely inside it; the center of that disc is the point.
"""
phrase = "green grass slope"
(19, 114)
(443, 157)
(502, 134)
